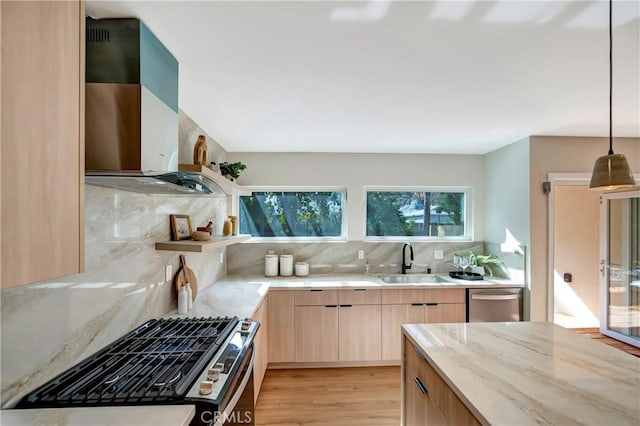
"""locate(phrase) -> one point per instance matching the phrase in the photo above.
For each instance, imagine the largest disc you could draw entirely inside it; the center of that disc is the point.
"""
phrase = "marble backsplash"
(342, 257)
(47, 327)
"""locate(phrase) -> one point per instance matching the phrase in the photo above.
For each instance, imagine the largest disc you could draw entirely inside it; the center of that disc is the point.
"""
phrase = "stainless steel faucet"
(404, 259)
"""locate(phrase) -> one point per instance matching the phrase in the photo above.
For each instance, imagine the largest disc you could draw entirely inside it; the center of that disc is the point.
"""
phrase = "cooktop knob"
(206, 387)
(213, 373)
(246, 324)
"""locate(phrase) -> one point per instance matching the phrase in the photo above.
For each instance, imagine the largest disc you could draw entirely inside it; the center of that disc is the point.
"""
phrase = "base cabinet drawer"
(419, 408)
(316, 297)
(359, 296)
(447, 402)
(445, 312)
(427, 399)
(444, 295)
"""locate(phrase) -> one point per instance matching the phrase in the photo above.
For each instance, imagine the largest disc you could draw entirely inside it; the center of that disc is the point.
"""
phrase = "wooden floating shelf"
(229, 187)
(201, 246)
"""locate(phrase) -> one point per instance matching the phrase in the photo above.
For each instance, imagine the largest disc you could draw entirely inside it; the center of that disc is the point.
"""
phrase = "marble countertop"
(529, 373)
(240, 295)
(151, 415)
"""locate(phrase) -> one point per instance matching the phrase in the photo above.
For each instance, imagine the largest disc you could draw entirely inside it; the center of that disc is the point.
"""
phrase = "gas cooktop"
(156, 363)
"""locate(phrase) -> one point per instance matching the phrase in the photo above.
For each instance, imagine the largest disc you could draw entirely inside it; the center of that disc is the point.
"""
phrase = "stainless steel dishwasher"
(494, 304)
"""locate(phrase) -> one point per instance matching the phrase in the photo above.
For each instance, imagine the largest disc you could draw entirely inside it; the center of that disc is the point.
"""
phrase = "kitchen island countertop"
(526, 373)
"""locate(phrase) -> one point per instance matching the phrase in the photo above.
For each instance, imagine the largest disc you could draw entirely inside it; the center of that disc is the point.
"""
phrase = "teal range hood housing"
(131, 111)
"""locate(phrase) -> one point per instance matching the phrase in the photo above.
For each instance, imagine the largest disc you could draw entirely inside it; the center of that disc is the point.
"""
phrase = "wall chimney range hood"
(131, 112)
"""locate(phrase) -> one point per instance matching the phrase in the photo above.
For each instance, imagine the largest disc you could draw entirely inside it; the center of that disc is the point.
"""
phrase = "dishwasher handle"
(480, 296)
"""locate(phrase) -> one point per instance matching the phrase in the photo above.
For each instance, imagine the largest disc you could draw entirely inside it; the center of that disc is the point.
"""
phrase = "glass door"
(620, 266)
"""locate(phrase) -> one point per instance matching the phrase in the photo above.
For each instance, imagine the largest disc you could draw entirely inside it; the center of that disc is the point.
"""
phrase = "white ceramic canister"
(286, 265)
(302, 269)
(271, 265)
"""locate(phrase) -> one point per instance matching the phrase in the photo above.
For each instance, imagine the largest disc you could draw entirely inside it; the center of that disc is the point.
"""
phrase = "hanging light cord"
(610, 80)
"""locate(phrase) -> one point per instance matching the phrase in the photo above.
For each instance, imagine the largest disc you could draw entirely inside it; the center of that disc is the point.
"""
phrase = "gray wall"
(560, 154)
(355, 171)
(188, 132)
(506, 203)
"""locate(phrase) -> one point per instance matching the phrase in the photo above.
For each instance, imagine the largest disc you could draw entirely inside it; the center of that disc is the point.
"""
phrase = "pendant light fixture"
(611, 171)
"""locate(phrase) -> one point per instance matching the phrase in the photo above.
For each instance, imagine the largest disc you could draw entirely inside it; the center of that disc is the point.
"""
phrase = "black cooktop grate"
(156, 362)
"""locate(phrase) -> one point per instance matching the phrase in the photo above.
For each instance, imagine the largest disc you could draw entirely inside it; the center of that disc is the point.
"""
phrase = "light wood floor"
(594, 333)
(330, 396)
(347, 396)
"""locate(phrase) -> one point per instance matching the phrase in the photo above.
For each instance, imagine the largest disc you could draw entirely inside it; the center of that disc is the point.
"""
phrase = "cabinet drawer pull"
(359, 289)
(424, 358)
(420, 385)
(330, 306)
(416, 304)
(346, 306)
(316, 289)
(431, 304)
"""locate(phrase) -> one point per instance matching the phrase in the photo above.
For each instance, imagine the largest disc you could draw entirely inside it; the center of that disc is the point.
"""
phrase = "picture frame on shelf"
(180, 227)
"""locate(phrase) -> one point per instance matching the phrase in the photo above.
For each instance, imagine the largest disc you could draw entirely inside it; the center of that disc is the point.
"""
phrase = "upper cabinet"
(42, 145)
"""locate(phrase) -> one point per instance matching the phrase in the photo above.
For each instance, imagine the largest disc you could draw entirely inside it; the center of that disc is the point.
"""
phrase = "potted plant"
(231, 170)
(491, 264)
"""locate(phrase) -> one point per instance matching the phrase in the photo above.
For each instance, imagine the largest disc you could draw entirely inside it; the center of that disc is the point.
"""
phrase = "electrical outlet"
(360, 254)
(222, 257)
(438, 254)
(168, 272)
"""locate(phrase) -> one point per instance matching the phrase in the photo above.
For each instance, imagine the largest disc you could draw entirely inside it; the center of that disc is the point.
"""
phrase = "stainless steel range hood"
(174, 183)
(131, 113)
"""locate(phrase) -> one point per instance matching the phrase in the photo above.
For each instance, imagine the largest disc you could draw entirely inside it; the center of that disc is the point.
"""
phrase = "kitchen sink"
(412, 279)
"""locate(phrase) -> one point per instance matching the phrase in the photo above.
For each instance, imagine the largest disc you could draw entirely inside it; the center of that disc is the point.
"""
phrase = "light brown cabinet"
(418, 407)
(315, 297)
(42, 165)
(426, 397)
(316, 333)
(359, 324)
(280, 316)
(445, 312)
(260, 348)
(393, 316)
(359, 332)
(351, 325)
(359, 296)
(416, 306)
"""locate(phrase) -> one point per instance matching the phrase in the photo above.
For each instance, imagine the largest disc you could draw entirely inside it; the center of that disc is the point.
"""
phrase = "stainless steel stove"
(207, 362)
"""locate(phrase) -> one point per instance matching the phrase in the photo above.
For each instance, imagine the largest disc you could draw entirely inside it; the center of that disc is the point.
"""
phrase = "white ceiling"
(391, 76)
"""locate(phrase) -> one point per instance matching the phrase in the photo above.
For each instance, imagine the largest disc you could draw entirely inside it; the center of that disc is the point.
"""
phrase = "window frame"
(288, 188)
(468, 212)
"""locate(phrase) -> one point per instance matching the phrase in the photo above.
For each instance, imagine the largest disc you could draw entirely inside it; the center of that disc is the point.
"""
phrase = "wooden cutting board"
(185, 275)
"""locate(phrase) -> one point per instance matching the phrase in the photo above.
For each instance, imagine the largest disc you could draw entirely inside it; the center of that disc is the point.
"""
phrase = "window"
(293, 214)
(402, 213)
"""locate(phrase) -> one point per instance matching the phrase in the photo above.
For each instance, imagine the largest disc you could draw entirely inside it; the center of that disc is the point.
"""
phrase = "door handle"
(346, 306)
(495, 296)
(422, 388)
(330, 306)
